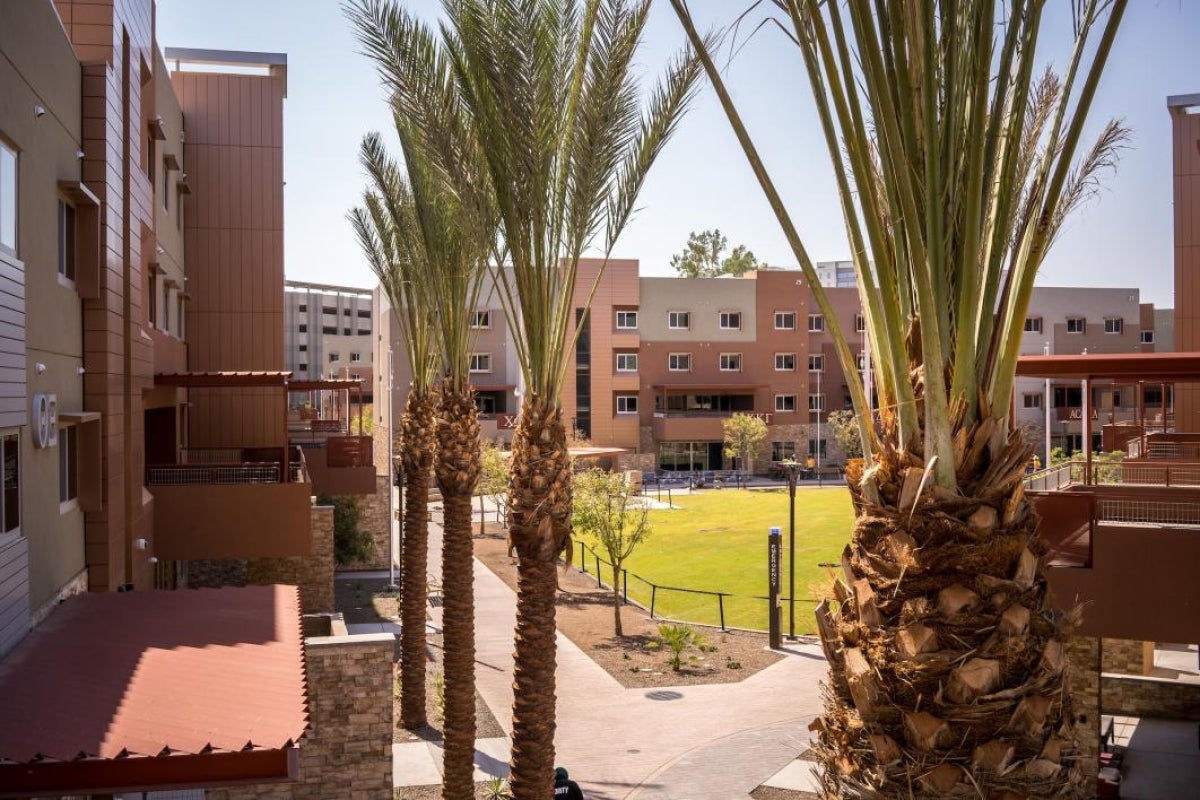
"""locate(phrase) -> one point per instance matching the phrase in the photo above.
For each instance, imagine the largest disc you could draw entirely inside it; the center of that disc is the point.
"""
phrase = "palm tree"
(388, 230)
(567, 142)
(956, 164)
(456, 229)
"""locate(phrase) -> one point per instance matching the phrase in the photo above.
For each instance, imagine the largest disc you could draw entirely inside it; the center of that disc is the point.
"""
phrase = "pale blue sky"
(1124, 238)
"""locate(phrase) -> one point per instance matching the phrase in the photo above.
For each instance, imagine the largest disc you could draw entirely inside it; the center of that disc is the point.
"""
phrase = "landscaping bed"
(638, 659)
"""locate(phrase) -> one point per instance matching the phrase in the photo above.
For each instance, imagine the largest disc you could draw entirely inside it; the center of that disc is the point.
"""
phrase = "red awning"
(1132, 367)
(146, 690)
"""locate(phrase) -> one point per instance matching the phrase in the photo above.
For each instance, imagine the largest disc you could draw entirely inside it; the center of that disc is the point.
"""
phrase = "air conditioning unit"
(45, 420)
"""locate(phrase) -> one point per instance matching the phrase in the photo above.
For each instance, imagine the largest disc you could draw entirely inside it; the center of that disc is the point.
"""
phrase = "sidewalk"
(714, 742)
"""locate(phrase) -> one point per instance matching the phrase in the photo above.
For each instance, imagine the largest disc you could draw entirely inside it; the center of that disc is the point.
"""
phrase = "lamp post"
(791, 469)
(395, 477)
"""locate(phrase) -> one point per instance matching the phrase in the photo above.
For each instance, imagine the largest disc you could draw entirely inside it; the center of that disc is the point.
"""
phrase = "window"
(10, 479)
(178, 209)
(785, 320)
(328, 310)
(303, 348)
(481, 362)
(68, 464)
(166, 190)
(166, 307)
(816, 363)
(679, 320)
(783, 451)
(481, 320)
(303, 368)
(303, 328)
(364, 313)
(1033, 324)
(816, 447)
(862, 361)
(1146, 337)
(345, 312)
(679, 362)
(816, 402)
(345, 331)
(627, 320)
(1076, 325)
(303, 307)
(731, 320)
(1114, 325)
(66, 240)
(816, 323)
(356, 358)
(627, 403)
(731, 362)
(860, 323)
(179, 315)
(335, 357)
(329, 330)
(785, 403)
(1031, 400)
(785, 362)
(627, 362)
(8, 199)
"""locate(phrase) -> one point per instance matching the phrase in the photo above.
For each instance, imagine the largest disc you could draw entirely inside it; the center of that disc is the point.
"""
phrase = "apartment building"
(144, 439)
(661, 362)
(328, 332)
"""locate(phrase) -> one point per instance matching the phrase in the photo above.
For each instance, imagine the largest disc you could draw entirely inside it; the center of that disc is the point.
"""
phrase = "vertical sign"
(774, 575)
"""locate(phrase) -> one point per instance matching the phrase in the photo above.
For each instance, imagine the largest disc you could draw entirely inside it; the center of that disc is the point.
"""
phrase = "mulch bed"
(585, 616)
(365, 600)
(486, 726)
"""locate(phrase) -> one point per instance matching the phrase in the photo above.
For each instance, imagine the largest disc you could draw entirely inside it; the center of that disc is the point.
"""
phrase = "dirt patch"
(434, 792)
(772, 793)
(585, 616)
(486, 726)
(365, 600)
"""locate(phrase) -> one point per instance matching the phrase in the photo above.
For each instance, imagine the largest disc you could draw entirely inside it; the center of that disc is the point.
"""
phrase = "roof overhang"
(493, 387)
(595, 452)
(323, 385)
(1131, 367)
(217, 380)
(155, 690)
(709, 387)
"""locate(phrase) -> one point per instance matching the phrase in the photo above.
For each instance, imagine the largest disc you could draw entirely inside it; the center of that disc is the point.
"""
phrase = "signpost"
(774, 575)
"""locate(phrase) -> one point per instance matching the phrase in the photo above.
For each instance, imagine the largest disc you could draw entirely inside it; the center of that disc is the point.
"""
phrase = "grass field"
(717, 541)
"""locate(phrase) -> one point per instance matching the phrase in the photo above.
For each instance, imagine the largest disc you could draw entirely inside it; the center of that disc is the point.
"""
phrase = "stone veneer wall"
(312, 573)
(645, 462)
(373, 510)
(347, 751)
(215, 574)
(1127, 656)
(1083, 661)
(1132, 696)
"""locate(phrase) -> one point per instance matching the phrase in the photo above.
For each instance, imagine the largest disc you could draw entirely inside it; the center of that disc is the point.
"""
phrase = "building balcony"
(1128, 554)
(340, 464)
(232, 504)
(696, 425)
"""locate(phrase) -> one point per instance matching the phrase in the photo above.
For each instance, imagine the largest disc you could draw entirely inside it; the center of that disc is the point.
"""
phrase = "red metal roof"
(130, 676)
(219, 379)
(1124, 366)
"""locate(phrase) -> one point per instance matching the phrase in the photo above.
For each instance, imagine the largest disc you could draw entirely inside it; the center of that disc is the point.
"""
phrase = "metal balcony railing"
(188, 474)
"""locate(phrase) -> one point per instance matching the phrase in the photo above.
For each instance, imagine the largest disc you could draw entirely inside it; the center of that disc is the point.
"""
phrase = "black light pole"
(791, 469)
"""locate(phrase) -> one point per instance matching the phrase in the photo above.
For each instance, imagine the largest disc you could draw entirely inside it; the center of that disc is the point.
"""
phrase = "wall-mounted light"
(152, 560)
(159, 249)
(80, 370)
(39, 368)
(140, 544)
(80, 154)
(39, 111)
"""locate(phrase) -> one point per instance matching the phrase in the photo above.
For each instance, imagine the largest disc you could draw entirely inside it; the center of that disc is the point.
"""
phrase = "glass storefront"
(689, 456)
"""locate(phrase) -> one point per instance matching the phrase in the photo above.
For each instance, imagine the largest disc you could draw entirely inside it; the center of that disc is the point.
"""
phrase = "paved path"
(712, 742)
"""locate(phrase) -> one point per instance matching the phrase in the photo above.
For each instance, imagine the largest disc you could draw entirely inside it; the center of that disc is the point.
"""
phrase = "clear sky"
(1122, 239)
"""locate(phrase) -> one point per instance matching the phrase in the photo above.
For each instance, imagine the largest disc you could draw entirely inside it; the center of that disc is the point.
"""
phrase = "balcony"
(1128, 553)
(696, 425)
(232, 504)
(340, 464)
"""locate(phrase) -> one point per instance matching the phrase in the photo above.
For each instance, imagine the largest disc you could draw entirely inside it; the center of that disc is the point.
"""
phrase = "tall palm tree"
(388, 230)
(568, 140)
(956, 163)
(456, 225)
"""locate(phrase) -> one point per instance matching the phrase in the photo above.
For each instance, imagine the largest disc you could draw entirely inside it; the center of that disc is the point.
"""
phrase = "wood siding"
(13, 405)
(14, 594)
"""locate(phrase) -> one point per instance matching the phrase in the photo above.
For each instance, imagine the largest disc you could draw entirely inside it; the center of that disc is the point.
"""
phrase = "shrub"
(350, 542)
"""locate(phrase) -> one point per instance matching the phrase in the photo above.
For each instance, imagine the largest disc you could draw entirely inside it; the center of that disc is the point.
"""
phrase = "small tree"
(350, 542)
(844, 425)
(743, 434)
(603, 510)
(701, 258)
(676, 638)
(493, 478)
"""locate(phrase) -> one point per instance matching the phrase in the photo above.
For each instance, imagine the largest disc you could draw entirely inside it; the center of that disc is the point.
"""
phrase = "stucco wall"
(312, 573)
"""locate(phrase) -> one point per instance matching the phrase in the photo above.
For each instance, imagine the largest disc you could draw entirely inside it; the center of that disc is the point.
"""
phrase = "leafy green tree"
(702, 257)
(957, 158)
(350, 542)
(493, 477)
(844, 424)
(605, 509)
(743, 434)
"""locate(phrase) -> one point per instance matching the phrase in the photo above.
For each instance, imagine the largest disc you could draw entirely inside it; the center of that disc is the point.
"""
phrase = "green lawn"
(717, 541)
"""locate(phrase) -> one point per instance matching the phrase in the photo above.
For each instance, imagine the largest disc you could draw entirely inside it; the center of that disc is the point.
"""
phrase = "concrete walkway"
(714, 742)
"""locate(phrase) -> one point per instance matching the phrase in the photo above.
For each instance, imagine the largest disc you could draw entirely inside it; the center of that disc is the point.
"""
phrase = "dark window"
(328, 310)
(364, 314)
(303, 307)
(330, 330)
(10, 498)
(66, 240)
(303, 328)
(68, 464)
(303, 368)
(303, 348)
(346, 332)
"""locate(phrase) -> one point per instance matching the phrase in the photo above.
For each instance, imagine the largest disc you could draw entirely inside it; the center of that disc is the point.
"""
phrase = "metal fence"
(187, 474)
(1127, 511)
(725, 610)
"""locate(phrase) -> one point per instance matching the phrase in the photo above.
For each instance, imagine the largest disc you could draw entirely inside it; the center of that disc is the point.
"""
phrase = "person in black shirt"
(564, 787)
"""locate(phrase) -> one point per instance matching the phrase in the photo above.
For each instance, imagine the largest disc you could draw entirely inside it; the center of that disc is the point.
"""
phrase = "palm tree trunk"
(457, 475)
(947, 663)
(539, 515)
(617, 630)
(417, 433)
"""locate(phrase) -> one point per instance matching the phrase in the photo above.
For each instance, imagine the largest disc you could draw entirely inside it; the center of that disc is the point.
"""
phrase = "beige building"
(328, 332)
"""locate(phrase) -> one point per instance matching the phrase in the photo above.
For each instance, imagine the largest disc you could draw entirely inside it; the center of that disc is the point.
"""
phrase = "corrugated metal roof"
(223, 378)
(140, 673)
